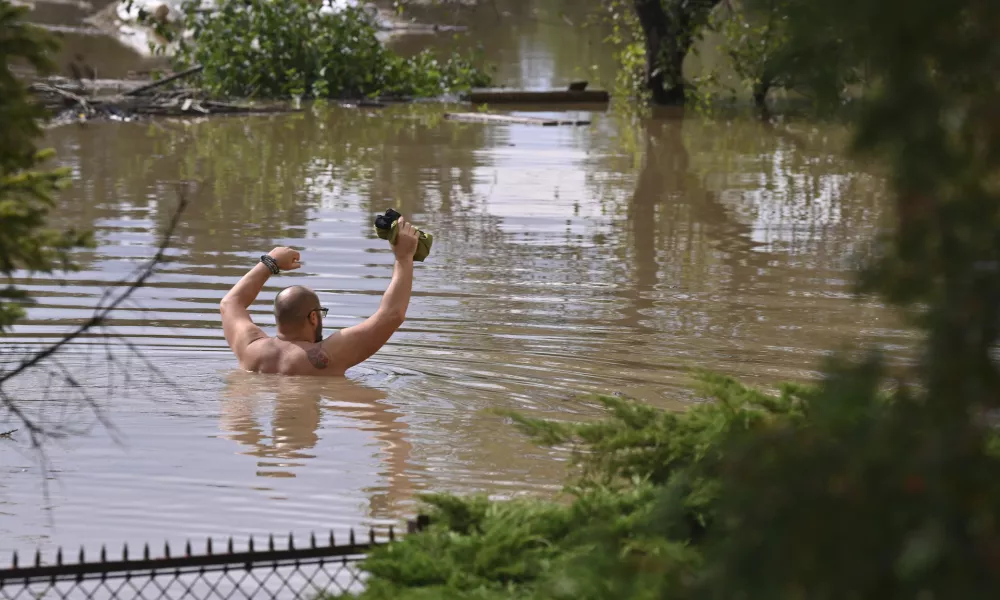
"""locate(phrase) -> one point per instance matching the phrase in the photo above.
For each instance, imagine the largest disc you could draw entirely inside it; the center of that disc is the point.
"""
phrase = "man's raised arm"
(356, 344)
(237, 326)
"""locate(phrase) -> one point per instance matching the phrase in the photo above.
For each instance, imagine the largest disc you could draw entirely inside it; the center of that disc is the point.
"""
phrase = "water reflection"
(532, 43)
(303, 411)
(258, 177)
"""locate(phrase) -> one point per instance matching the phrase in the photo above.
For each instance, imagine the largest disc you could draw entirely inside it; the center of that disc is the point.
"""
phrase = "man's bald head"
(293, 304)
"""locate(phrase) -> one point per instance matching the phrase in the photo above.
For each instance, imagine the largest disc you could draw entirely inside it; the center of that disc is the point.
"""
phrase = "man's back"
(282, 357)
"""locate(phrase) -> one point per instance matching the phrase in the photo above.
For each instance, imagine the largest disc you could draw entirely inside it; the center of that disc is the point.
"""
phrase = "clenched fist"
(286, 258)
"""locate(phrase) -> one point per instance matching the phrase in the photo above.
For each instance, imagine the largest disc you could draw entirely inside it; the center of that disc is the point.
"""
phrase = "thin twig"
(164, 81)
(8, 434)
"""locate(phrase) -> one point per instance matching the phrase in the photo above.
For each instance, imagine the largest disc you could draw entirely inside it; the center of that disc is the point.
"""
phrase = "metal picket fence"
(317, 569)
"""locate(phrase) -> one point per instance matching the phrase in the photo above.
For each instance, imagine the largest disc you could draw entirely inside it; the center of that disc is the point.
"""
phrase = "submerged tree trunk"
(760, 90)
(669, 27)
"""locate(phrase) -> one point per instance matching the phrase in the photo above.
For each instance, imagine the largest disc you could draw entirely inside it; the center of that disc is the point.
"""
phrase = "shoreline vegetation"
(261, 56)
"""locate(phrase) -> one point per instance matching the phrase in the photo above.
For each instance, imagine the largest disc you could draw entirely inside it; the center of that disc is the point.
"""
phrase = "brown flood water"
(612, 257)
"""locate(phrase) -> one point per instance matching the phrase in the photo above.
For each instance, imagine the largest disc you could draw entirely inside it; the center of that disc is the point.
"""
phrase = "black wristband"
(270, 263)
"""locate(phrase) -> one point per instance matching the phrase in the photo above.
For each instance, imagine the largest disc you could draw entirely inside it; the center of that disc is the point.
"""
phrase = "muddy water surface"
(611, 257)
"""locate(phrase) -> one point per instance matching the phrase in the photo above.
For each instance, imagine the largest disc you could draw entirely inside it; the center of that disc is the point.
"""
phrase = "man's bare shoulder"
(274, 355)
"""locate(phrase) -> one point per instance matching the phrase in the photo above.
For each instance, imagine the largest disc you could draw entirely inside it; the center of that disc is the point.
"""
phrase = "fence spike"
(230, 547)
(38, 558)
(392, 534)
(104, 554)
(81, 555)
(251, 542)
(13, 562)
(270, 542)
(351, 539)
(371, 535)
(59, 556)
(312, 539)
(208, 546)
(166, 549)
(187, 548)
(145, 552)
(333, 542)
(125, 552)
(291, 541)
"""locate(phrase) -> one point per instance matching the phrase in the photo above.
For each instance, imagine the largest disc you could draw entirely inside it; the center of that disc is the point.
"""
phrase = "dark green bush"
(263, 48)
(630, 522)
(866, 499)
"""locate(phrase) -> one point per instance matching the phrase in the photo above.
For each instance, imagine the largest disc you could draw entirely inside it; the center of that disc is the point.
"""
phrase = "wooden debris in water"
(76, 102)
(162, 82)
(511, 119)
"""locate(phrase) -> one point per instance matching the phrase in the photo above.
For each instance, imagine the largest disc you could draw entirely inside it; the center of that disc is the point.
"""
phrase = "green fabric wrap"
(424, 240)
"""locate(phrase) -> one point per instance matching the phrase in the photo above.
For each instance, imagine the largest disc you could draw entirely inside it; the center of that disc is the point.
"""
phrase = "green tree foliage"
(629, 49)
(867, 499)
(755, 44)
(653, 38)
(262, 48)
(26, 192)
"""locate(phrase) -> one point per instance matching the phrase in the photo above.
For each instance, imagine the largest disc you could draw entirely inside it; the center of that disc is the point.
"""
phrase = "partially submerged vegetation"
(259, 56)
(299, 48)
(654, 39)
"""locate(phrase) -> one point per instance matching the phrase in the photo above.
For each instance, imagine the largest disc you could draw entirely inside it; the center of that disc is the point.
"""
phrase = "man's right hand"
(287, 258)
(406, 241)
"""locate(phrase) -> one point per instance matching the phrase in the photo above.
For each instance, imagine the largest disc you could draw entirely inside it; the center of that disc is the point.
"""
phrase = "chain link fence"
(312, 571)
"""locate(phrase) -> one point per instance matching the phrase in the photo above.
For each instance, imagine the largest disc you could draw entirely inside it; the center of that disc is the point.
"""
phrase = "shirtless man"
(299, 347)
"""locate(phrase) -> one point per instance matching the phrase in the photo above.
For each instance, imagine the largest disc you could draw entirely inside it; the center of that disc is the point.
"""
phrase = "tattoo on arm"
(318, 357)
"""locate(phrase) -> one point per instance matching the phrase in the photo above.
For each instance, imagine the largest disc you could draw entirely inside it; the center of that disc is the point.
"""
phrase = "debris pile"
(76, 100)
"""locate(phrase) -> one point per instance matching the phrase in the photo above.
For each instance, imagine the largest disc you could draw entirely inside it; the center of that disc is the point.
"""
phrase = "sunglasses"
(322, 311)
